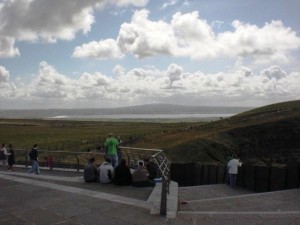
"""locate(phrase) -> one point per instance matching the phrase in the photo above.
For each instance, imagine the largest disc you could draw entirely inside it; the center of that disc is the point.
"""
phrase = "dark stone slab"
(205, 174)
(292, 176)
(241, 177)
(249, 177)
(221, 174)
(178, 173)
(189, 174)
(213, 170)
(277, 178)
(198, 174)
(262, 176)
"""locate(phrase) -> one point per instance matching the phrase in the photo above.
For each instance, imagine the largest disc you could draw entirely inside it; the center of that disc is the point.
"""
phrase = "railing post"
(77, 162)
(26, 159)
(163, 200)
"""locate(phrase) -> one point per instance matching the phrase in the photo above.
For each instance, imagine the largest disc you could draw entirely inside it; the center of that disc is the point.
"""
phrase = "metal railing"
(163, 164)
(77, 160)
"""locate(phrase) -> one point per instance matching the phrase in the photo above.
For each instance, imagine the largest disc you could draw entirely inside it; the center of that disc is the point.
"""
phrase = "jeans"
(114, 160)
(35, 167)
(232, 179)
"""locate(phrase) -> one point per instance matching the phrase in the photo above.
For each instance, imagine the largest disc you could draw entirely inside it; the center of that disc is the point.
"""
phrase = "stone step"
(172, 200)
(277, 201)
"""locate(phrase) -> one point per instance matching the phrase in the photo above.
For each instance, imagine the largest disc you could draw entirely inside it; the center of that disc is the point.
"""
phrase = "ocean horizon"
(146, 112)
(145, 116)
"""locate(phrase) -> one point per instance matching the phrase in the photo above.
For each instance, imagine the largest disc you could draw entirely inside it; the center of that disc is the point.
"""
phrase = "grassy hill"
(265, 135)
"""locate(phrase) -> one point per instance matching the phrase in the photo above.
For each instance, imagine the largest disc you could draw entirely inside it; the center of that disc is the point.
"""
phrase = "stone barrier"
(255, 178)
(262, 177)
(277, 179)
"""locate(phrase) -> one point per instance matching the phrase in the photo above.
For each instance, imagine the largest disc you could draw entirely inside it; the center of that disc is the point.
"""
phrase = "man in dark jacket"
(33, 155)
(90, 172)
(122, 174)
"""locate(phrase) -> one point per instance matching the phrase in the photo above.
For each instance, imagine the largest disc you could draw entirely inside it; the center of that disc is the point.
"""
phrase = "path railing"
(164, 166)
(77, 160)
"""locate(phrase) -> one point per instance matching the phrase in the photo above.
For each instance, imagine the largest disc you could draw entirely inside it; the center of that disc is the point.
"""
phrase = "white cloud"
(174, 72)
(143, 37)
(138, 85)
(274, 72)
(119, 70)
(187, 35)
(34, 20)
(169, 3)
(7, 88)
(4, 75)
(100, 50)
(121, 3)
(7, 48)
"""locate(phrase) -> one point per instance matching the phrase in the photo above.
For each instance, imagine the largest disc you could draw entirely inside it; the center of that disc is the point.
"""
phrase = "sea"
(145, 116)
(156, 112)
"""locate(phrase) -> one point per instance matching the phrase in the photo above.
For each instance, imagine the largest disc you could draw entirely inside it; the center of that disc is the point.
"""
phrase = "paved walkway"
(61, 197)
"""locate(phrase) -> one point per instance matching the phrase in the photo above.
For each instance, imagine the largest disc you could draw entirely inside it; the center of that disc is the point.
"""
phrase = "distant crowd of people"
(115, 169)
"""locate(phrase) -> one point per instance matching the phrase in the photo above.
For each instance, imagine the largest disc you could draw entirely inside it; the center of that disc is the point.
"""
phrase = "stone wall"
(256, 178)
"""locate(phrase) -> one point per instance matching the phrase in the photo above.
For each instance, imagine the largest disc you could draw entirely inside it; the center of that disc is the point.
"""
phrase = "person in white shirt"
(232, 166)
(3, 154)
(106, 172)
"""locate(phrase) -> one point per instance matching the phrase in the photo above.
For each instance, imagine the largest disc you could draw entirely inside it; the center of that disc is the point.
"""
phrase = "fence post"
(77, 162)
(163, 200)
(26, 160)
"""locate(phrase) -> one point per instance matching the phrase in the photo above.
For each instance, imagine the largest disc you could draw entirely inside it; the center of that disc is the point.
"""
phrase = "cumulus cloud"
(34, 20)
(188, 35)
(119, 70)
(4, 75)
(174, 71)
(139, 85)
(7, 88)
(274, 72)
(101, 50)
(7, 48)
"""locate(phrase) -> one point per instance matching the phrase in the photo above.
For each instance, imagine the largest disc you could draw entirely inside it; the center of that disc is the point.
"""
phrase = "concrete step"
(172, 200)
(237, 201)
(209, 191)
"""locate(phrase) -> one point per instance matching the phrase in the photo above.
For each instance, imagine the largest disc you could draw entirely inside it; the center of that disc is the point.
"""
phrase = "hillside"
(265, 135)
(268, 134)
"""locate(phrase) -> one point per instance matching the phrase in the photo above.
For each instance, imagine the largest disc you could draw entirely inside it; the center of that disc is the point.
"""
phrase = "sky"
(114, 53)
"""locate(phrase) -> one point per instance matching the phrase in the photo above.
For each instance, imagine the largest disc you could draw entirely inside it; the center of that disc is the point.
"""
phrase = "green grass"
(257, 135)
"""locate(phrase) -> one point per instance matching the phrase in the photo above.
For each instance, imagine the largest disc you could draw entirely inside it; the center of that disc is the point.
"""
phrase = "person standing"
(232, 166)
(3, 154)
(11, 157)
(33, 155)
(111, 145)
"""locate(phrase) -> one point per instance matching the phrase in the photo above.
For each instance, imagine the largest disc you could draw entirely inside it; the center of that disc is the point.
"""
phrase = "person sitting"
(123, 175)
(152, 168)
(90, 172)
(106, 171)
(140, 177)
